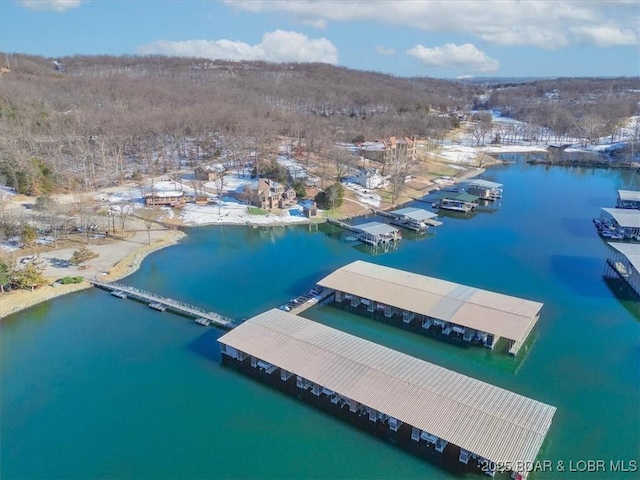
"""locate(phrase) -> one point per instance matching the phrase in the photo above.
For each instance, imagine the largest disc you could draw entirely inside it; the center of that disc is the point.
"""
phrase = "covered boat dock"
(484, 189)
(625, 262)
(377, 233)
(625, 222)
(435, 413)
(628, 199)
(432, 306)
(413, 218)
(465, 202)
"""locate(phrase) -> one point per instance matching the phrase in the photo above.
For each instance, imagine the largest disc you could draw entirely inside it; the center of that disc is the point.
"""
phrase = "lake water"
(96, 387)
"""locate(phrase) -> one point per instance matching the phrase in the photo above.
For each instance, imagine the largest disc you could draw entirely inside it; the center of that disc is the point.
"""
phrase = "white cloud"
(55, 5)
(539, 23)
(460, 57)
(277, 46)
(385, 51)
(605, 35)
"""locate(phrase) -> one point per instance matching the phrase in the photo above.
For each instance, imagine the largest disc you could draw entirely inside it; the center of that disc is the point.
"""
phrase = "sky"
(434, 38)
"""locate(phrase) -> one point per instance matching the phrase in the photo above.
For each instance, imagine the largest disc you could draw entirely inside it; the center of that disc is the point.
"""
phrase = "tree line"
(99, 120)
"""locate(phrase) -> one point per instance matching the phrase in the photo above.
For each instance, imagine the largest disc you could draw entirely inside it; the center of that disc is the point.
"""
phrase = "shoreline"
(19, 300)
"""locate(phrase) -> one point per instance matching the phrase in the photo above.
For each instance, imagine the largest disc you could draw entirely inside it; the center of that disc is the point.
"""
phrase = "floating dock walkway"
(162, 304)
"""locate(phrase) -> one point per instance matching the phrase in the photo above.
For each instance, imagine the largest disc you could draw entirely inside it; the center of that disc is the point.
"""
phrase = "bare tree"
(481, 125)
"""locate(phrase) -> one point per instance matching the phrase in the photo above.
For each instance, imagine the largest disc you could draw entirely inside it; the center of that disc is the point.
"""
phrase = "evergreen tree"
(81, 256)
(28, 277)
(5, 275)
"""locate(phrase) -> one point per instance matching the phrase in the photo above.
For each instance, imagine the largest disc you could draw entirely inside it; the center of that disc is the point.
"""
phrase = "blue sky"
(444, 38)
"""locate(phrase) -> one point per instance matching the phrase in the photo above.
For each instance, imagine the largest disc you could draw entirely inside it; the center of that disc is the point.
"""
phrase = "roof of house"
(414, 213)
(495, 313)
(489, 421)
(165, 193)
(625, 217)
(217, 168)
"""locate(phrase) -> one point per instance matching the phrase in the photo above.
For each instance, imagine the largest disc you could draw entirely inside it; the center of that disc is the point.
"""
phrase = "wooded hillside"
(90, 121)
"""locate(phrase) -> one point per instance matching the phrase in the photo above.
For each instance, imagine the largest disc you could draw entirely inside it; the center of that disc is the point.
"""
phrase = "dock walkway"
(319, 298)
(125, 291)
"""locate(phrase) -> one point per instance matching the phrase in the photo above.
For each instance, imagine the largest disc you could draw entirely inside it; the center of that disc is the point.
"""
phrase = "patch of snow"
(7, 190)
(364, 195)
(231, 211)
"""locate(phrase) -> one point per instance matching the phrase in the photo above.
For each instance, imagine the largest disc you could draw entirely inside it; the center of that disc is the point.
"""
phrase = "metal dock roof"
(490, 312)
(629, 195)
(376, 228)
(489, 421)
(467, 197)
(484, 183)
(624, 216)
(418, 214)
(629, 250)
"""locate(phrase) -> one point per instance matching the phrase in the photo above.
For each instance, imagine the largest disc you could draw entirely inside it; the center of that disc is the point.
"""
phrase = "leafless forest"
(93, 121)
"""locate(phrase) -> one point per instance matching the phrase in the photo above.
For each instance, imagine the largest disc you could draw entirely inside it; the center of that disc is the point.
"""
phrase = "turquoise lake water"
(96, 387)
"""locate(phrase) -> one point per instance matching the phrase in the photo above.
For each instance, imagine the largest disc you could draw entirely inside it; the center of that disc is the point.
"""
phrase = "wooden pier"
(160, 303)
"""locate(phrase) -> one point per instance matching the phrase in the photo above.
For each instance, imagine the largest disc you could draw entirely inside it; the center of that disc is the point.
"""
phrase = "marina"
(433, 306)
(421, 407)
(87, 345)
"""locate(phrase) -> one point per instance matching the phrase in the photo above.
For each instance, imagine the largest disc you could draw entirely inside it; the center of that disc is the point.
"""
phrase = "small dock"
(373, 233)
(162, 304)
(416, 219)
(464, 203)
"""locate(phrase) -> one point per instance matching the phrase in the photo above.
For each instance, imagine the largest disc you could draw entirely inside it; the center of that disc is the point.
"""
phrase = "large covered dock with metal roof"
(434, 306)
(429, 410)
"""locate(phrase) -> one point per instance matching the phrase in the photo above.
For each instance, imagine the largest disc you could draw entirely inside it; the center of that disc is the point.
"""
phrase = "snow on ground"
(363, 195)
(512, 148)
(235, 182)
(466, 155)
(4, 190)
(231, 211)
(11, 244)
